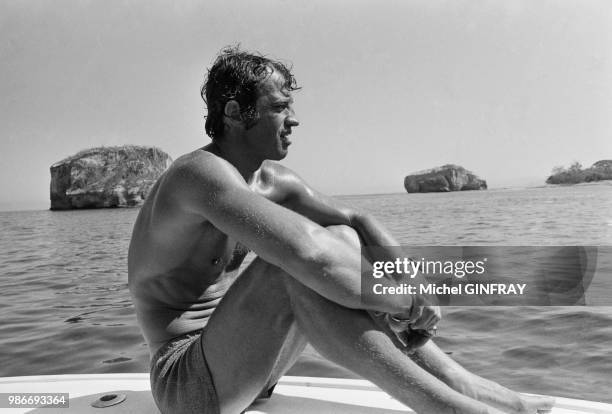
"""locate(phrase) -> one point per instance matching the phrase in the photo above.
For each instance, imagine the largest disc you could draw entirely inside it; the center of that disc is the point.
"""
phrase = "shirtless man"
(218, 338)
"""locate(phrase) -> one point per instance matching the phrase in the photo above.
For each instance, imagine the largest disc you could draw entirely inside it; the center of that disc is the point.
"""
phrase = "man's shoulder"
(201, 167)
(195, 160)
(278, 182)
(272, 172)
(194, 181)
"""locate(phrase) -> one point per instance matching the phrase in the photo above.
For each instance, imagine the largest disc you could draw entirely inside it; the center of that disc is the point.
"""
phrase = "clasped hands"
(415, 327)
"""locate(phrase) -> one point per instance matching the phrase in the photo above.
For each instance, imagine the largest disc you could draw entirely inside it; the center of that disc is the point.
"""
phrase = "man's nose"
(291, 120)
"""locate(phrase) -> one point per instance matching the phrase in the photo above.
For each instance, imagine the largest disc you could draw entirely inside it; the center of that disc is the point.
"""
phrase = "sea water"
(66, 308)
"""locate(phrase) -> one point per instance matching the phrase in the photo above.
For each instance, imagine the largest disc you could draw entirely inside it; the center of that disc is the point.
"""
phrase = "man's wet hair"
(237, 75)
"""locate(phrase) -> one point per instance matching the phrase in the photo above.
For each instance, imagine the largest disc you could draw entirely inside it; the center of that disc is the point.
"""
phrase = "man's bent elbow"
(360, 219)
(311, 251)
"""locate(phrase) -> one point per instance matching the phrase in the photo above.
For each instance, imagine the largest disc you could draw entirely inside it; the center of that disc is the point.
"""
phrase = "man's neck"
(244, 162)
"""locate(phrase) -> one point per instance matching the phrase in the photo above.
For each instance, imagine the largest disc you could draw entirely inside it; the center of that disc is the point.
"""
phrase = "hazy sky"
(508, 89)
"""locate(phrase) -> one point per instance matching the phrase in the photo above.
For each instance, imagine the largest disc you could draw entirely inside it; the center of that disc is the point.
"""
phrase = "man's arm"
(298, 196)
(213, 189)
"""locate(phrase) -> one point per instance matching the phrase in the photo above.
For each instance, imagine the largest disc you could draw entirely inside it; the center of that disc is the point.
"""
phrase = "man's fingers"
(421, 318)
(397, 324)
(429, 318)
(424, 322)
(415, 313)
(436, 316)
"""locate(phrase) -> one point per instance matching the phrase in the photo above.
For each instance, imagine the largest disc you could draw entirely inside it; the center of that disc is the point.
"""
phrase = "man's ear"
(232, 110)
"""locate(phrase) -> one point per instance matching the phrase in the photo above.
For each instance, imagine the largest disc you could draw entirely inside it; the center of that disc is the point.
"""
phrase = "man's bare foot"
(502, 398)
(522, 404)
(533, 404)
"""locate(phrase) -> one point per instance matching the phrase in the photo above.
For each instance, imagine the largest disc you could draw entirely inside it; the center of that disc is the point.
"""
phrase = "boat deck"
(293, 395)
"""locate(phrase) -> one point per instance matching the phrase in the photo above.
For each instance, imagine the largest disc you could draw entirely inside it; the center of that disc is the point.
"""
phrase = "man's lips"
(285, 139)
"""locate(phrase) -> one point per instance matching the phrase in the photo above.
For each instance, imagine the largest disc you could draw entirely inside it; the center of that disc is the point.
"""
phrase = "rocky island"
(106, 177)
(574, 174)
(448, 177)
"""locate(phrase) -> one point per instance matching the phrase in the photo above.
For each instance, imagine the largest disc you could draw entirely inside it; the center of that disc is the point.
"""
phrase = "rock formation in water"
(442, 179)
(106, 177)
(600, 171)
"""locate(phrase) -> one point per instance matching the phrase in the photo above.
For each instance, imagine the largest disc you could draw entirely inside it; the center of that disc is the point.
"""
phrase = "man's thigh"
(251, 336)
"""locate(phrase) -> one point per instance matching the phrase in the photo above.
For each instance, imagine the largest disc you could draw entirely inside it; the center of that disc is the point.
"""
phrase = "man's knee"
(346, 233)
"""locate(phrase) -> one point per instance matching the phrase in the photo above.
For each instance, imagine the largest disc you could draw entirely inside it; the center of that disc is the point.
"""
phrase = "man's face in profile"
(269, 135)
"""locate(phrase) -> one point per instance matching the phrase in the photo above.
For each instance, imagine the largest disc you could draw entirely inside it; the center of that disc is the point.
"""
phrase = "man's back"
(180, 265)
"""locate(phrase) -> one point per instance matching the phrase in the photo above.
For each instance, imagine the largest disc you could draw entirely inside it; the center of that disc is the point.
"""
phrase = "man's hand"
(418, 318)
(416, 328)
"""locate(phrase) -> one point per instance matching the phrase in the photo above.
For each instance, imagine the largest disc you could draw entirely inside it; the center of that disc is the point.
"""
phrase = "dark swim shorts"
(180, 378)
(181, 381)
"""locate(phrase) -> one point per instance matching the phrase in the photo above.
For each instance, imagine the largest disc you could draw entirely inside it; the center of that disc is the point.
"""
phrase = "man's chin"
(281, 154)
